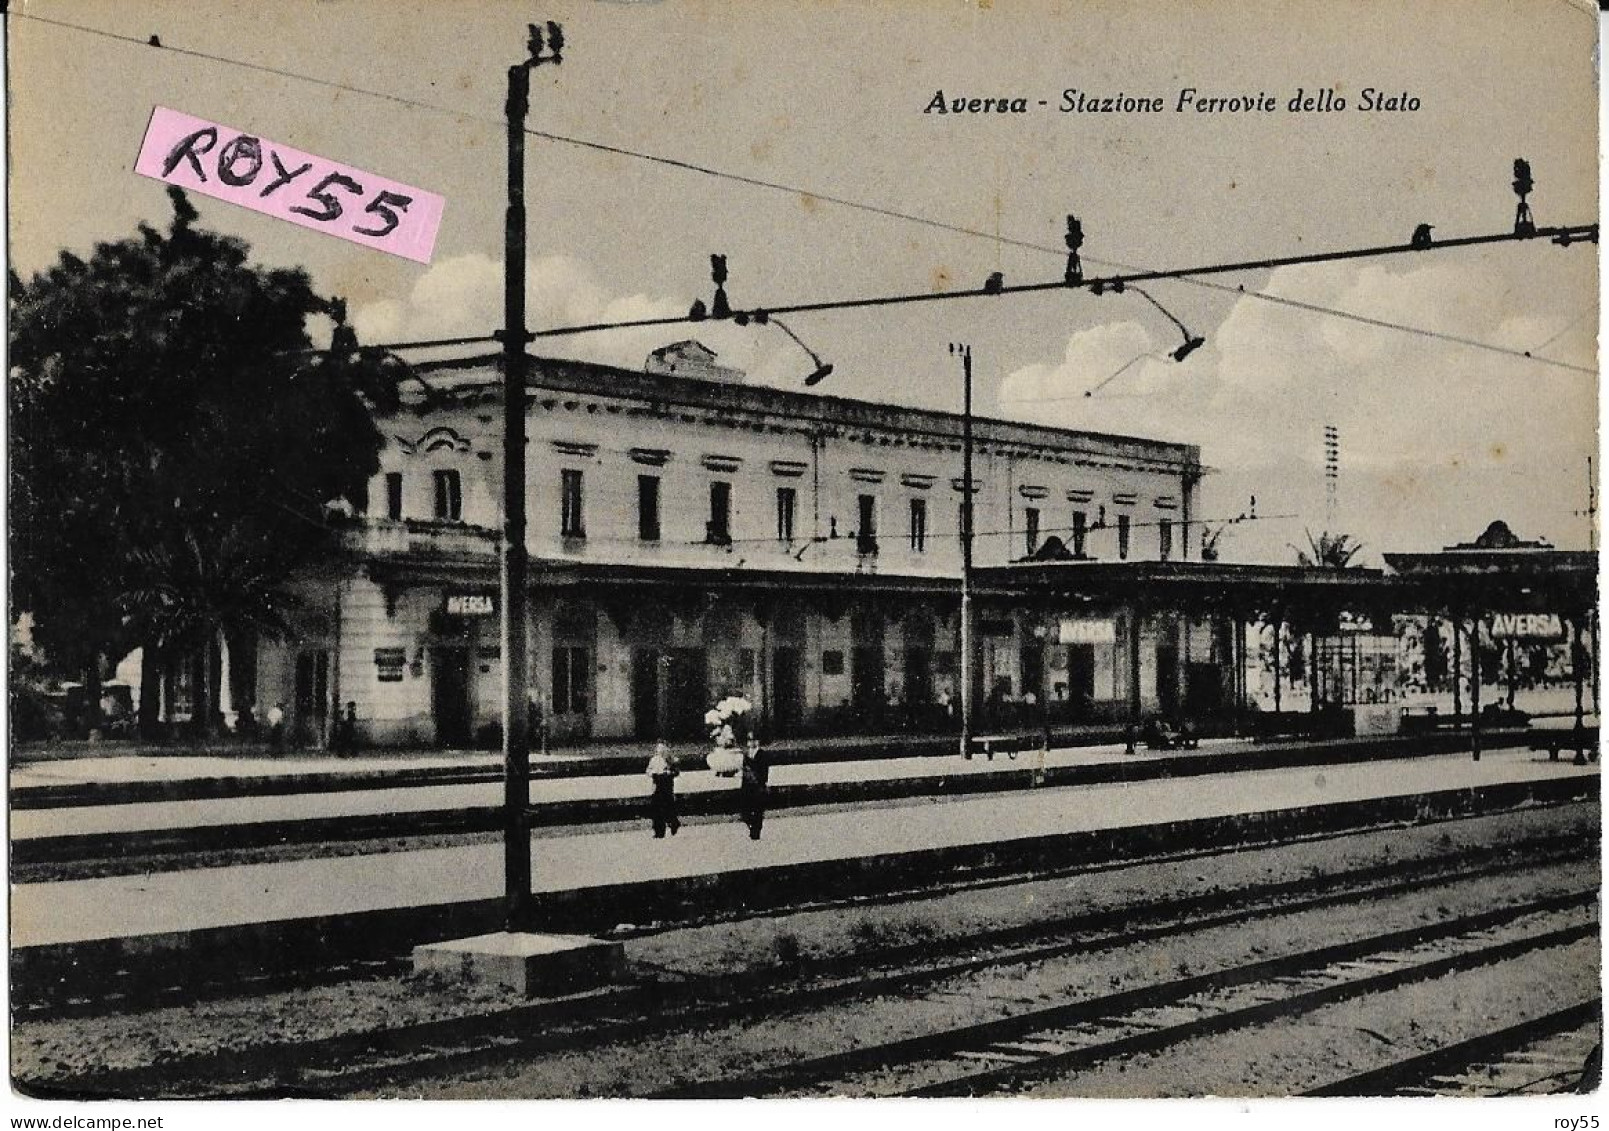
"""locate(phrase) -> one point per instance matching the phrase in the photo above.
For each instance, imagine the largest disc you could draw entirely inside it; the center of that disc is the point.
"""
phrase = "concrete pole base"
(531, 965)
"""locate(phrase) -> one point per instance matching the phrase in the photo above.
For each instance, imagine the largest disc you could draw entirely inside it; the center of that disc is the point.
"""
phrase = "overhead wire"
(777, 186)
(1563, 330)
(1094, 528)
(1579, 233)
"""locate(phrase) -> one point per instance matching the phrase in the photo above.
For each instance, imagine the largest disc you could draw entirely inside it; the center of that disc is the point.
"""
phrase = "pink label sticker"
(273, 179)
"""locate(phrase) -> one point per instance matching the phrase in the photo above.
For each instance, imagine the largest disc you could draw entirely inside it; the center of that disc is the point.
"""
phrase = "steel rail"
(811, 1072)
(464, 1043)
(1413, 1071)
(1295, 1005)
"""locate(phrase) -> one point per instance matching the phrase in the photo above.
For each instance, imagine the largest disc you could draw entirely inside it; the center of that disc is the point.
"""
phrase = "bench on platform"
(1008, 744)
(1584, 741)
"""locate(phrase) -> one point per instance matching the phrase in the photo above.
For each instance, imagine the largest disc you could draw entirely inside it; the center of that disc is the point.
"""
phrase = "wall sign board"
(471, 605)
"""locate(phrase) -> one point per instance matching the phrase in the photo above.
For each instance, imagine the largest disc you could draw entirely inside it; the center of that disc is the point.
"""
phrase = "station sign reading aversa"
(1086, 630)
(471, 604)
(1527, 626)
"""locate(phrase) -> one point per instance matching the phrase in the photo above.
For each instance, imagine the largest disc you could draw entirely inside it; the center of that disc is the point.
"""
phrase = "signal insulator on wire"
(1075, 240)
(555, 43)
(720, 308)
(1524, 225)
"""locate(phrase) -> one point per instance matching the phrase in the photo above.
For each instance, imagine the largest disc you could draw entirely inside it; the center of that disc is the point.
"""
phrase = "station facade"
(694, 536)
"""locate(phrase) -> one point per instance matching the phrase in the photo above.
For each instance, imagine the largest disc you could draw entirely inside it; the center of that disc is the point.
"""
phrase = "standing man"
(662, 803)
(752, 788)
(347, 729)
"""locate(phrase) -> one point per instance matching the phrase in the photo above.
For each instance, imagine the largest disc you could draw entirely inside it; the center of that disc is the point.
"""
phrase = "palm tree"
(190, 591)
(1327, 551)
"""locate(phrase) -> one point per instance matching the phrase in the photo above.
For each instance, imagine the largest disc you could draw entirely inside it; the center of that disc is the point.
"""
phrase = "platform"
(101, 806)
(422, 797)
(162, 907)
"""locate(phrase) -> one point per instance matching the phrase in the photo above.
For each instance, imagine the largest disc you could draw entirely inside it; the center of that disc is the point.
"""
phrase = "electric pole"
(516, 666)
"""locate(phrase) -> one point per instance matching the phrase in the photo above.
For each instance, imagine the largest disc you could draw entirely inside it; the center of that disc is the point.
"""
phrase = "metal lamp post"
(966, 549)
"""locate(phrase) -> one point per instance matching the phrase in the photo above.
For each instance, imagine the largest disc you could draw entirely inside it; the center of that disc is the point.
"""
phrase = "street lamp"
(822, 370)
(1192, 342)
(965, 351)
(1041, 633)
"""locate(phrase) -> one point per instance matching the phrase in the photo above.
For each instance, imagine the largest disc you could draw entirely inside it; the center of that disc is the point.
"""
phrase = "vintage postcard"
(654, 549)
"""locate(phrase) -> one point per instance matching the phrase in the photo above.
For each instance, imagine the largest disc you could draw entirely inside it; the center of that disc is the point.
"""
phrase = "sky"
(827, 99)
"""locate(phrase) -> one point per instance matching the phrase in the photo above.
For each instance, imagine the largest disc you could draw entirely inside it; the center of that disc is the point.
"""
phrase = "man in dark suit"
(752, 788)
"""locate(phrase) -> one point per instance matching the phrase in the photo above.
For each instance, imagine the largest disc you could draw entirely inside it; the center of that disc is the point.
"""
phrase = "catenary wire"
(806, 541)
(791, 189)
(1563, 330)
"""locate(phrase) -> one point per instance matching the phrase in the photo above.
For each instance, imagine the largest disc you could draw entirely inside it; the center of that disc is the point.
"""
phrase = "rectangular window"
(571, 685)
(1031, 530)
(832, 663)
(919, 525)
(1080, 530)
(572, 521)
(648, 508)
(787, 503)
(1123, 537)
(449, 496)
(1165, 535)
(866, 532)
(393, 495)
(719, 529)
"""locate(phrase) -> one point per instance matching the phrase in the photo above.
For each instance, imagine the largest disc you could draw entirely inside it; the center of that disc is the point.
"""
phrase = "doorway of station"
(669, 692)
(918, 702)
(1033, 670)
(1167, 680)
(787, 691)
(1080, 690)
(866, 694)
(645, 693)
(449, 695)
(312, 700)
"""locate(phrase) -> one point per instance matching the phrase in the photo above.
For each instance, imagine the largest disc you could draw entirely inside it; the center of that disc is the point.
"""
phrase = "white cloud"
(1104, 372)
(463, 296)
(1436, 437)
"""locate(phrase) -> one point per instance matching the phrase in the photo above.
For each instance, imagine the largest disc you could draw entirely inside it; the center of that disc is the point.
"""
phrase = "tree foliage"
(1328, 551)
(173, 445)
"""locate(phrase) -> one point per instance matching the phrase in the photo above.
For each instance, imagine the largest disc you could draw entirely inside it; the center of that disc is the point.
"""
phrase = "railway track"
(1009, 1054)
(1559, 1052)
(377, 1061)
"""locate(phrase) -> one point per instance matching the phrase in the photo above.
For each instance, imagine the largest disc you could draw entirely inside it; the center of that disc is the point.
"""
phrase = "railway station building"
(694, 536)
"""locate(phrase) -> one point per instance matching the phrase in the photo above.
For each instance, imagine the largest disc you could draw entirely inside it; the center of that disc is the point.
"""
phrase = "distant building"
(690, 359)
(1496, 549)
(1497, 536)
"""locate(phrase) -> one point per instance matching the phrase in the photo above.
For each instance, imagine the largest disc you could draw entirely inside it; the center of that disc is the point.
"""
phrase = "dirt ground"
(55, 1051)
